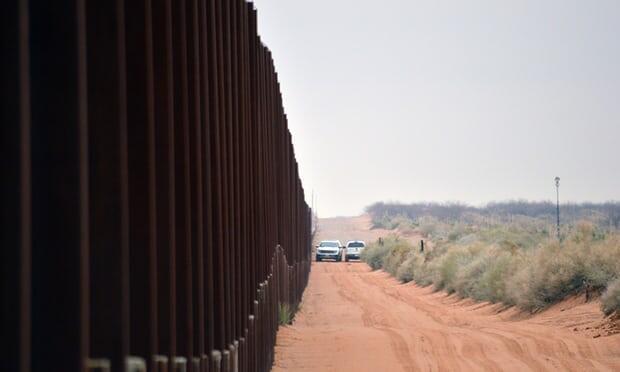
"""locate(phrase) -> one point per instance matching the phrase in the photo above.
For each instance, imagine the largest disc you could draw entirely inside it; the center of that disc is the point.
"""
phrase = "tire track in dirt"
(536, 352)
(396, 291)
(373, 316)
(439, 339)
(353, 319)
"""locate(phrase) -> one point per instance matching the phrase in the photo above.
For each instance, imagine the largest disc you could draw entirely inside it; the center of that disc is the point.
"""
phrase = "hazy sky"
(474, 101)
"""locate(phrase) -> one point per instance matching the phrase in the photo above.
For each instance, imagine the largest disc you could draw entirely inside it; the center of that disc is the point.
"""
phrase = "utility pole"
(557, 191)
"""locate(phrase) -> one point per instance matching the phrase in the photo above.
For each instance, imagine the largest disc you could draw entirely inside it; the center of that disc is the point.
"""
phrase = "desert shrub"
(428, 226)
(611, 298)
(512, 236)
(450, 265)
(517, 264)
(374, 254)
(402, 222)
(389, 255)
(398, 252)
(600, 260)
(406, 271)
(586, 231)
(391, 222)
(499, 271)
(467, 281)
(548, 275)
(457, 231)
(511, 271)
(382, 221)
(468, 239)
(427, 273)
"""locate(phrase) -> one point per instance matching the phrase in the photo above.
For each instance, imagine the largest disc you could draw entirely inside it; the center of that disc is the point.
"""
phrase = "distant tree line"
(605, 214)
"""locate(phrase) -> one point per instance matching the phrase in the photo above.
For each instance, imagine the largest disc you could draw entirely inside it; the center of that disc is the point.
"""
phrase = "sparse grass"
(286, 313)
(516, 264)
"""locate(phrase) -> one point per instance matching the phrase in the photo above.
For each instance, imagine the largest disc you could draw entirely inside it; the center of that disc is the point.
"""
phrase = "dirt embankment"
(353, 319)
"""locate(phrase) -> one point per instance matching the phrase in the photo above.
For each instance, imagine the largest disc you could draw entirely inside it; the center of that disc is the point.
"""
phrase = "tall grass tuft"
(286, 314)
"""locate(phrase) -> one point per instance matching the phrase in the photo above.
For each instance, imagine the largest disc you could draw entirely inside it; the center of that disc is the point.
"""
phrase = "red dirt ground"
(354, 319)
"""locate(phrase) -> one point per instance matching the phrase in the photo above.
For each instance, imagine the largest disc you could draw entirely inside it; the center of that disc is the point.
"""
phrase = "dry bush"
(428, 226)
(406, 271)
(449, 266)
(374, 254)
(512, 264)
(548, 275)
(493, 282)
(611, 297)
(552, 271)
(415, 268)
(398, 251)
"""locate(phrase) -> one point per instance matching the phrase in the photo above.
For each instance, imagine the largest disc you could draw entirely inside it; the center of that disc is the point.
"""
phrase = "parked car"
(354, 249)
(330, 249)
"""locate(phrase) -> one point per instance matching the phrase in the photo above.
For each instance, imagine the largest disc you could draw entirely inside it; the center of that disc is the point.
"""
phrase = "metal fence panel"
(153, 216)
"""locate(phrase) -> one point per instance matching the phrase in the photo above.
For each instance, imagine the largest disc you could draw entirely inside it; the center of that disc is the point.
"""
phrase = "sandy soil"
(353, 319)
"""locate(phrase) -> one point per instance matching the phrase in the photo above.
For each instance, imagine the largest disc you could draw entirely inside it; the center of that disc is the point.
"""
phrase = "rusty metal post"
(208, 115)
(182, 187)
(196, 179)
(215, 286)
(142, 181)
(165, 178)
(108, 183)
(15, 188)
(60, 209)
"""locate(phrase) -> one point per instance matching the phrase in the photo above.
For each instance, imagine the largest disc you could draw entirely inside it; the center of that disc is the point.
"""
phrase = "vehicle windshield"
(328, 244)
(356, 244)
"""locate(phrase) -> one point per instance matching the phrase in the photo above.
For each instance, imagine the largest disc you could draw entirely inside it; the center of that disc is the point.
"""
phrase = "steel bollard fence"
(152, 200)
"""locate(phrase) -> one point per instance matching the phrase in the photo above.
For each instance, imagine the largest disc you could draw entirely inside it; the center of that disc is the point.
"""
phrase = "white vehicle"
(330, 249)
(354, 249)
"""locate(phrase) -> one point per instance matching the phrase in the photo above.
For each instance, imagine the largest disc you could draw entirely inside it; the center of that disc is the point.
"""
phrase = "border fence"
(152, 214)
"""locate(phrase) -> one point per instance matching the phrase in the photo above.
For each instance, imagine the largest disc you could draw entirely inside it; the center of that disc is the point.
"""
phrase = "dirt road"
(358, 228)
(353, 319)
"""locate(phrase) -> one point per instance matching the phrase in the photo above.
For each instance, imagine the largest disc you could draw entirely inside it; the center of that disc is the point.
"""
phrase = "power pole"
(557, 191)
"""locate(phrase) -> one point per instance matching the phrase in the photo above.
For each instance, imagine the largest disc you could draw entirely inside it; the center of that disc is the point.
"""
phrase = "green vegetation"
(286, 313)
(611, 297)
(374, 257)
(518, 263)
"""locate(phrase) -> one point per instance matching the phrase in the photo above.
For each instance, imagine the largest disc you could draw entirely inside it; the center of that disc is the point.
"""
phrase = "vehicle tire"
(339, 258)
(318, 259)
